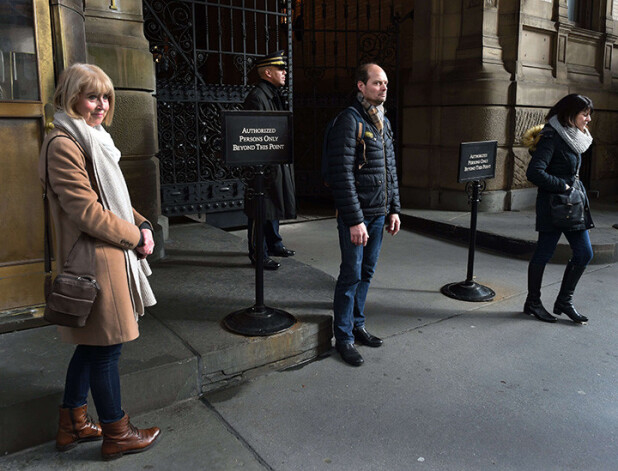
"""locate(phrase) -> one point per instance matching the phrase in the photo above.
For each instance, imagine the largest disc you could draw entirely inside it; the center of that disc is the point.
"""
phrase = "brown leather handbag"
(71, 295)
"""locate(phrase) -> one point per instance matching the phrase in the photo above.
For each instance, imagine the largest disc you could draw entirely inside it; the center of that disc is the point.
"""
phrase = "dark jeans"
(578, 240)
(273, 241)
(358, 264)
(95, 368)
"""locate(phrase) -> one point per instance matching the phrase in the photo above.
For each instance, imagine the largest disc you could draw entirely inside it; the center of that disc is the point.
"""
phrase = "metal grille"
(204, 53)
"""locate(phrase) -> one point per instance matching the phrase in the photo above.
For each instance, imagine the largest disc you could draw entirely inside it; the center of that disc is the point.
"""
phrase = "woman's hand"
(149, 244)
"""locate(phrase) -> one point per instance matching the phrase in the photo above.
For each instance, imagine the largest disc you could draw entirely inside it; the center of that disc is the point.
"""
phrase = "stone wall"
(489, 70)
(115, 42)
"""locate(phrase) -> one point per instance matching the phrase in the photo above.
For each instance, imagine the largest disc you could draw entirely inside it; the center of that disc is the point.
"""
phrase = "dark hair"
(569, 107)
(362, 73)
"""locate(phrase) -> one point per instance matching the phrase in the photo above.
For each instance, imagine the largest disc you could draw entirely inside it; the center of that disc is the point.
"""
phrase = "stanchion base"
(259, 321)
(466, 291)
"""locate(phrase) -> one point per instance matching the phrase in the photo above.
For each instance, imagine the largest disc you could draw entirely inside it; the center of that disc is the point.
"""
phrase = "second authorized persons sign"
(477, 160)
(257, 137)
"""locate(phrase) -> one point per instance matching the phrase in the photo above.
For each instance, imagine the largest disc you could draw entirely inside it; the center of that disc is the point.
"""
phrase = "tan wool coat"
(75, 207)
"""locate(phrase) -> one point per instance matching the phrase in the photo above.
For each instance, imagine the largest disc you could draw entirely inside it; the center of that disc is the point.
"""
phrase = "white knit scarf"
(577, 140)
(100, 148)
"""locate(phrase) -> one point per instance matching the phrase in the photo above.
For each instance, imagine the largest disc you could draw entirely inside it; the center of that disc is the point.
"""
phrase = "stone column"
(610, 40)
(564, 27)
(459, 91)
(115, 42)
(68, 32)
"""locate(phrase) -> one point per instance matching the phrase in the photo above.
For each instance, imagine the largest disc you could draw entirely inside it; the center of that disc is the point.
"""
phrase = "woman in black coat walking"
(554, 169)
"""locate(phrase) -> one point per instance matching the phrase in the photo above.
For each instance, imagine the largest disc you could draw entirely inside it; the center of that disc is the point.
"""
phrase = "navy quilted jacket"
(373, 189)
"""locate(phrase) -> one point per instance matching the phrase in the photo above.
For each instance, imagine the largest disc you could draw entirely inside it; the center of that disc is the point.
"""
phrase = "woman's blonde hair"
(83, 78)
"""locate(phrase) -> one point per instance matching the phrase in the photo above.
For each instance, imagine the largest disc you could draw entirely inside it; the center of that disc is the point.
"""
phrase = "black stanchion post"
(239, 130)
(259, 240)
(259, 320)
(469, 290)
(473, 216)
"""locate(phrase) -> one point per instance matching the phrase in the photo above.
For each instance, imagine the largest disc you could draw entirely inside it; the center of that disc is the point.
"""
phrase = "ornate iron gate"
(204, 51)
(331, 39)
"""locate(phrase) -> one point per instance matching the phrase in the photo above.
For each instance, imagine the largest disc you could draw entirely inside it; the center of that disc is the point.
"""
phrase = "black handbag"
(568, 209)
(71, 295)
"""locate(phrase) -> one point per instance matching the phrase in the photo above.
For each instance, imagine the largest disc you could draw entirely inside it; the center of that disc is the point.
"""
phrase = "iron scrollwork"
(197, 78)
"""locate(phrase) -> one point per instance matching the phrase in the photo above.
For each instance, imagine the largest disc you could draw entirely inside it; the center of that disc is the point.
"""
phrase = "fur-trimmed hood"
(531, 137)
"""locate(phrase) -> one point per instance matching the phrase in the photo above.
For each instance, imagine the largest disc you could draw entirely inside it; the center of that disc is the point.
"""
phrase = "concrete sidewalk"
(461, 385)
(512, 232)
(457, 386)
(182, 351)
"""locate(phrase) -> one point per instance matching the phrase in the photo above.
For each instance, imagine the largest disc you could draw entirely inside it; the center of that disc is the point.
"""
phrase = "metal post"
(259, 320)
(473, 217)
(259, 240)
(468, 290)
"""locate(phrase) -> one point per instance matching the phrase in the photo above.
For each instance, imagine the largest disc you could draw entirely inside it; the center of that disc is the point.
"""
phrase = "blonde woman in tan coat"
(87, 193)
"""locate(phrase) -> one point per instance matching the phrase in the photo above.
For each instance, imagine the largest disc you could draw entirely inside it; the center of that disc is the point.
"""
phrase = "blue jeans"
(273, 242)
(578, 240)
(358, 264)
(95, 368)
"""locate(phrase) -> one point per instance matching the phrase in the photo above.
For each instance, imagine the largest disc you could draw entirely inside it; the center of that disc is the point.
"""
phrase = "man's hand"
(393, 224)
(359, 234)
(148, 246)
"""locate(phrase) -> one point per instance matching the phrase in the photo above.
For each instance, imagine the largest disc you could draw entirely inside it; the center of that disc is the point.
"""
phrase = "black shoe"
(536, 309)
(282, 252)
(362, 336)
(269, 263)
(349, 354)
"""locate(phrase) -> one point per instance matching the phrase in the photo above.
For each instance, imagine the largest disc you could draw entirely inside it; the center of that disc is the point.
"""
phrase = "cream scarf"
(100, 148)
(577, 140)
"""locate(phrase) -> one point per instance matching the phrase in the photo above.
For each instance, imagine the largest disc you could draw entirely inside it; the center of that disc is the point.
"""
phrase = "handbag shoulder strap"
(80, 260)
(47, 239)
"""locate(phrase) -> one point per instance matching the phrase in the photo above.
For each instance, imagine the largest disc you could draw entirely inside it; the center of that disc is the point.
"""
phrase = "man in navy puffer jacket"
(363, 178)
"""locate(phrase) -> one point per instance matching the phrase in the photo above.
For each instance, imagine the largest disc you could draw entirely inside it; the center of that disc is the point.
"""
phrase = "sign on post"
(477, 160)
(257, 137)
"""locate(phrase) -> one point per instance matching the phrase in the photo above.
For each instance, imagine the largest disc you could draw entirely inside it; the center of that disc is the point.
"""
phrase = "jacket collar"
(268, 88)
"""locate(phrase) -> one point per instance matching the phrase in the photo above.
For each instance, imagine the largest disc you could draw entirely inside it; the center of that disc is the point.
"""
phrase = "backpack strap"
(360, 142)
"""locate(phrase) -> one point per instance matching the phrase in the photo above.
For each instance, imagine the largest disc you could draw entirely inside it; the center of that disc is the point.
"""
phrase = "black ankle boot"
(564, 302)
(533, 304)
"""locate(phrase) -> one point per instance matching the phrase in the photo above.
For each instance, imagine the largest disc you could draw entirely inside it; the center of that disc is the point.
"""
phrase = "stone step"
(183, 350)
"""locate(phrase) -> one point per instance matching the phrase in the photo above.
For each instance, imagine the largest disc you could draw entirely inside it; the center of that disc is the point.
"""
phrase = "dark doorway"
(330, 40)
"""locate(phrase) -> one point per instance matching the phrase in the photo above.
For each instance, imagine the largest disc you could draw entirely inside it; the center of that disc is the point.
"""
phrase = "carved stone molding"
(525, 119)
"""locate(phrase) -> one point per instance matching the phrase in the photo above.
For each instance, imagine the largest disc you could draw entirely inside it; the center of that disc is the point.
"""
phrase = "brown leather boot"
(76, 426)
(121, 437)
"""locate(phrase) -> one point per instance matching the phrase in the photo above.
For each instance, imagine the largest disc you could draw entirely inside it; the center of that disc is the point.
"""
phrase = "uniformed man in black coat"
(280, 194)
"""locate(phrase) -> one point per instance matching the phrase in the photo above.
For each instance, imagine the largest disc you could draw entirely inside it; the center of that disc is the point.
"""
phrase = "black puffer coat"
(280, 194)
(553, 165)
(372, 190)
